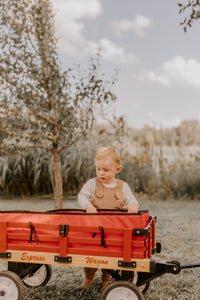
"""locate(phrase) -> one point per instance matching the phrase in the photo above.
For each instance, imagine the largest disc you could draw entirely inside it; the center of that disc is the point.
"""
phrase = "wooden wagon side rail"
(18, 236)
(87, 245)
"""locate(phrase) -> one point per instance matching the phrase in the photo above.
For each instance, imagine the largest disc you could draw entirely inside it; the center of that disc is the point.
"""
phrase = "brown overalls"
(105, 198)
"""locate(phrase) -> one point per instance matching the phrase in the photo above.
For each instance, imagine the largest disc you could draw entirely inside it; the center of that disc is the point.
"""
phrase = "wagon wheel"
(133, 277)
(122, 290)
(39, 278)
(11, 286)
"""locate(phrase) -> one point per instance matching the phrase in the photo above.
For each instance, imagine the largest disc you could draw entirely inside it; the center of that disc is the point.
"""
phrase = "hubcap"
(8, 289)
(122, 293)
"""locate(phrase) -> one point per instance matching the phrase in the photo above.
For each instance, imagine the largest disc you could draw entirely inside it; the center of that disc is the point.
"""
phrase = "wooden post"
(3, 236)
(127, 244)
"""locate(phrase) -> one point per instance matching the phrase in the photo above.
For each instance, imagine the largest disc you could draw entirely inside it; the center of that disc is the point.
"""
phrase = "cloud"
(158, 78)
(139, 24)
(115, 54)
(69, 27)
(70, 16)
(184, 71)
(71, 10)
(178, 70)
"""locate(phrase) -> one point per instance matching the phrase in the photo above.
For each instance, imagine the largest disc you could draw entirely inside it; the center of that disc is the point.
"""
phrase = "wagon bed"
(121, 243)
(109, 239)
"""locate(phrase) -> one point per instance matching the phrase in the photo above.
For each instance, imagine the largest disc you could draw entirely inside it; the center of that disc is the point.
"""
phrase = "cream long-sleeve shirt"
(86, 193)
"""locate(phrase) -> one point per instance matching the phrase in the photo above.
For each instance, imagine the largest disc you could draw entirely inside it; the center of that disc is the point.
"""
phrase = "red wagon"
(114, 240)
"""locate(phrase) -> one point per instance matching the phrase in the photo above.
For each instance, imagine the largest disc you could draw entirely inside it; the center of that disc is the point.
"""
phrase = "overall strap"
(99, 188)
(118, 189)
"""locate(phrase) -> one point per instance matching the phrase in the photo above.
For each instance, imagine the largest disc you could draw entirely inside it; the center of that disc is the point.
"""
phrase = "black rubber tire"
(30, 281)
(132, 276)
(121, 288)
(18, 268)
(11, 286)
(143, 288)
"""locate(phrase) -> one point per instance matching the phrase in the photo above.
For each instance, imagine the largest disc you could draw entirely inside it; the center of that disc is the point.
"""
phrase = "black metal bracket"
(5, 255)
(64, 229)
(127, 264)
(63, 259)
(140, 232)
(161, 267)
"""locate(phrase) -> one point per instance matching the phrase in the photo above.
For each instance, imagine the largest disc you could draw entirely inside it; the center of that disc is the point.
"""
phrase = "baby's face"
(106, 169)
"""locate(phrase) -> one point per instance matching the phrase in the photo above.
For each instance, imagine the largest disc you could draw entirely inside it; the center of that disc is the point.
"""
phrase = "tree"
(194, 6)
(42, 106)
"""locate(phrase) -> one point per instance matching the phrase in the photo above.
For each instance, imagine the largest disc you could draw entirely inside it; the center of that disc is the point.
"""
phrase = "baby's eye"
(106, 170)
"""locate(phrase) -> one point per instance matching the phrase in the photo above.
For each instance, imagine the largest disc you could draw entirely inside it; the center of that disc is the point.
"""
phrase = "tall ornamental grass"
(148, 172)
(157, 163)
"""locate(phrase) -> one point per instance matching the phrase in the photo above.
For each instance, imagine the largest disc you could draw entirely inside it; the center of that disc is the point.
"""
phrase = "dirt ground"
(178, 230)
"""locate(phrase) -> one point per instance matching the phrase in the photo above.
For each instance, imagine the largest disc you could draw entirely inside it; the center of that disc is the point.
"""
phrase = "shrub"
(184, 177)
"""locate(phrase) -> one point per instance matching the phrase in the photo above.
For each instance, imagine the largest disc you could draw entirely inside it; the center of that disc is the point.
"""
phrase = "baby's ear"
(119, 169)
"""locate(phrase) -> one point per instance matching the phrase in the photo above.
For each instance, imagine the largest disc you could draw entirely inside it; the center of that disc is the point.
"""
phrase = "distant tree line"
(185, 134)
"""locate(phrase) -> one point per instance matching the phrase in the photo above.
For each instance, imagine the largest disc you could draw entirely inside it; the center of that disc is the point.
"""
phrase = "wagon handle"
(192, 265)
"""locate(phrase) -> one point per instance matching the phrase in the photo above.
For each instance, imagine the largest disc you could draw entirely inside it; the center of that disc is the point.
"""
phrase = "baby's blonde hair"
(105, 152)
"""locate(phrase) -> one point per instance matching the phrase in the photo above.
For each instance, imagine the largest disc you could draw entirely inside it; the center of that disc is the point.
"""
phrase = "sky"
(158, 63)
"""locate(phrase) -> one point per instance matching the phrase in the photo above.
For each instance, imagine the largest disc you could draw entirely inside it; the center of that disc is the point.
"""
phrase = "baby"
(105, 192)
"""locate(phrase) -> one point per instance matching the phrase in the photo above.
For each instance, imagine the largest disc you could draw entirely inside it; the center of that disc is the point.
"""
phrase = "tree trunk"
(58, 190)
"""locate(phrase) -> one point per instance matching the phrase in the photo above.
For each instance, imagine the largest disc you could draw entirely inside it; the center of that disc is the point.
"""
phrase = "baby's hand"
(132, 208)
(90, 209)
